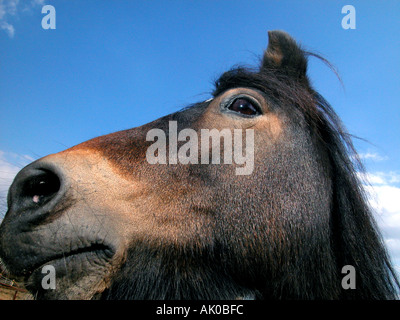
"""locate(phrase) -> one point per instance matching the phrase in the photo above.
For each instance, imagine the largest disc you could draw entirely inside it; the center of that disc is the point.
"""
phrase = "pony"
(118, 217)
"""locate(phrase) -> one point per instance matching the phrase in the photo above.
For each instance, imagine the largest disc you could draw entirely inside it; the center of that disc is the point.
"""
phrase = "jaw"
(170, 272)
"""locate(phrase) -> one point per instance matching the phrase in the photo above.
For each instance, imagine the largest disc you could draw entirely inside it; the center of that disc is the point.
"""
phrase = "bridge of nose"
(91, 173)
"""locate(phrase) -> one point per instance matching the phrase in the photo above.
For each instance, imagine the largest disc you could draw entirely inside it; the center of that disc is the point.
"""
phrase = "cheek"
(295, 175)
(272, 126)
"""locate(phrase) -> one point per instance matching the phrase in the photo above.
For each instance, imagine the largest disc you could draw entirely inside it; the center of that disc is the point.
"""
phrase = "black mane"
(356, 238)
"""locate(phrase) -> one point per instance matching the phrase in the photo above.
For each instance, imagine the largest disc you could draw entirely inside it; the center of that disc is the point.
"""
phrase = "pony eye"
(244, 106)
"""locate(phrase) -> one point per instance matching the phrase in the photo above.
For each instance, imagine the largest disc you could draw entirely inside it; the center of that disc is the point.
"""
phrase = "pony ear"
(284, 55)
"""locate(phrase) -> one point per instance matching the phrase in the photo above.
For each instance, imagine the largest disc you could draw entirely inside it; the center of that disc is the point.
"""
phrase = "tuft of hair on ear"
(285, 56)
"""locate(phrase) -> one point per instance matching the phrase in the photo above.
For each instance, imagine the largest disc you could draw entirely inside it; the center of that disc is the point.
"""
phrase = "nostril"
(40, 188)
(36, 192)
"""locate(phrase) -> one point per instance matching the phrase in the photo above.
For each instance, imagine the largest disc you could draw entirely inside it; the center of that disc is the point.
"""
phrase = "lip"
(96, 253)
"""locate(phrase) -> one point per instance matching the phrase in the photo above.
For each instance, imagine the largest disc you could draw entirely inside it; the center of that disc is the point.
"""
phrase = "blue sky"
(113, 65)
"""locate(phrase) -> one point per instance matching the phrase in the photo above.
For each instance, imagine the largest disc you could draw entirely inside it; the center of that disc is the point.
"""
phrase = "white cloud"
(8, 28)
(384, 197)
(10, 165)
(10, 8)
(394, 246)
(381, 178)
(2, 11)
(373, 156)
(7, 169)
(372, 178)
